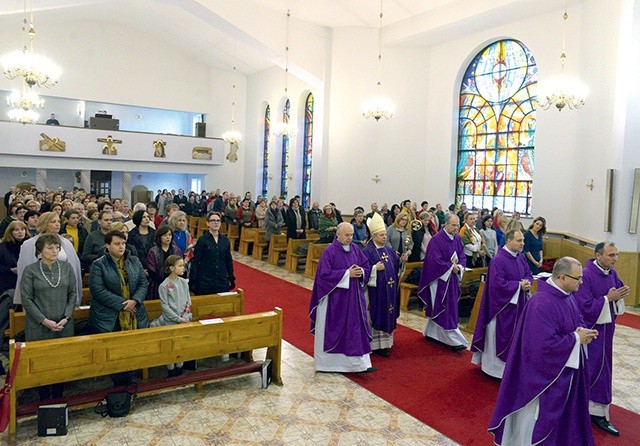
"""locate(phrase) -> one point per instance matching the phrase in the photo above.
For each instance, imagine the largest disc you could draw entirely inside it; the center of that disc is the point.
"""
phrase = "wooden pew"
(69, 359)
(473, 319)
(408, 289)
(313, 257)
(277, 246)
(201, 306)
(193, 226)
(203, 227)
(292, 256)
(259, 245)
(247, 239)
(233, 233)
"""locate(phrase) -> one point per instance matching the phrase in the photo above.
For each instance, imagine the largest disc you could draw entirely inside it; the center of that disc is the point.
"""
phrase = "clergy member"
(338, 308)
(601, 299)
(439, 288)
(383, 287)
(505, 293)
(543, 396)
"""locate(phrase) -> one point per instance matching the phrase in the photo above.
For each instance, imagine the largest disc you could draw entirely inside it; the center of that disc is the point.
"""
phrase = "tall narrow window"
(284, 176)
(496, 129)
(265, 152)
(308, 151)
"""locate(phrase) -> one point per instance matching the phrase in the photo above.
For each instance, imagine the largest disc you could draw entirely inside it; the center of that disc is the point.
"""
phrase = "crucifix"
(109, 148)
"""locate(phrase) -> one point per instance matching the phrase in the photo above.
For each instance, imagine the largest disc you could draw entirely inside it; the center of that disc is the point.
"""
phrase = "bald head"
(344, 233)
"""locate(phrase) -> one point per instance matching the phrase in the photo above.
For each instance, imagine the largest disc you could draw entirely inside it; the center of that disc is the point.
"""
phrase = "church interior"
(249, 66)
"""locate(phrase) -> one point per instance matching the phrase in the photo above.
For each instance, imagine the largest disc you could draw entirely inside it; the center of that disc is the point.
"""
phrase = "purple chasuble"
(437, 261)
(503, 280)
(590, 298)
(384, 299)
(536, 368)
(347, 328)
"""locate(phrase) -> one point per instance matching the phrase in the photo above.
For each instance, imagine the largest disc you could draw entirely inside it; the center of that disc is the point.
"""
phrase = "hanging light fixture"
(24, 105)
(286, 128)
(379, 107)
(34, 68)
(233, 136)
(563, 91)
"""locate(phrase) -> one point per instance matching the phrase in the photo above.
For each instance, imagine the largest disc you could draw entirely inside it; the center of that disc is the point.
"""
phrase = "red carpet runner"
(429, 382)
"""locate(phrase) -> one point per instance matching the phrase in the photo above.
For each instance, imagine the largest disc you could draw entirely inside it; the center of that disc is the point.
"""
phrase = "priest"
(383, 288)
(439, 288)
(338, 308)
(543, 396)
(601, 299)
(505, 292)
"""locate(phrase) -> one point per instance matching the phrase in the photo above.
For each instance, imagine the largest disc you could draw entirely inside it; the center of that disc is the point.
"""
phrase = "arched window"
(265, 152)
(497, 124)
(284, 175)
(306, 155)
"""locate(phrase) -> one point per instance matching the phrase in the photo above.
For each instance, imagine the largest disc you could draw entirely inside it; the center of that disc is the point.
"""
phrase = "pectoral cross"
(384, 257)
(391, 282)
(109, 148)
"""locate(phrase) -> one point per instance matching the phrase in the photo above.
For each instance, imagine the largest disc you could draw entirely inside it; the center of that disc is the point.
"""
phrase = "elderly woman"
(327, 224)
(156, 258)
(273, 221)
(398, 236)
(49, 223)
(181, 237)
(533, 244)
(261, 213)
(49, 294)
(142, 236)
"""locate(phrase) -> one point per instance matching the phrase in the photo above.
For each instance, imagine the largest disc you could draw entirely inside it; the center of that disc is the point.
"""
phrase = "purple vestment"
(347, 328)
(537, 368)
(437, 261)
(503, 280)
(384, 299)
(590, 298)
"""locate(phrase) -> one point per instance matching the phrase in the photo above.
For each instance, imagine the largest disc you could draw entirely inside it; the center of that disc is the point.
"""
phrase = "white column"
(41, 179)
(85, 180)
(126, 186)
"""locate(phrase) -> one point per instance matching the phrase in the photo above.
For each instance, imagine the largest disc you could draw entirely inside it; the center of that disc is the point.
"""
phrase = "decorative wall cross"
(109, 148)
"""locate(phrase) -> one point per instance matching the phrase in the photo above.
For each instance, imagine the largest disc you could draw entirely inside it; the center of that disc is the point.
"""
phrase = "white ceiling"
(207, 28)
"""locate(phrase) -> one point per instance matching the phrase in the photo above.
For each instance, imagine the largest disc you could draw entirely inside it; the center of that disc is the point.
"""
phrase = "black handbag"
(118, 403)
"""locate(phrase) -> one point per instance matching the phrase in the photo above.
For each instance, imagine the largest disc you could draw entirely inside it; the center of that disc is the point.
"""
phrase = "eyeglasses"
(215, 221)
(577, 279)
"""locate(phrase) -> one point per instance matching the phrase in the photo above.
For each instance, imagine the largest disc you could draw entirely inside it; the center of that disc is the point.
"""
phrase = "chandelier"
(233, 136)
(32, 69)
(563, 91)
(379, 106)
(286, 128)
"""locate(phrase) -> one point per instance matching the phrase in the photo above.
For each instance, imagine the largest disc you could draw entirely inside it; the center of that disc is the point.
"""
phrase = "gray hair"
(564, 266)
(139, 207)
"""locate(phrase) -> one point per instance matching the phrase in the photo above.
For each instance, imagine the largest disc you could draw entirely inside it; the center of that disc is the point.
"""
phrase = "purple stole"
(384, 299)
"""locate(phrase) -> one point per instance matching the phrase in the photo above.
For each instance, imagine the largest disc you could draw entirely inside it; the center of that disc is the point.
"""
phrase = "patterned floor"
(310, 409)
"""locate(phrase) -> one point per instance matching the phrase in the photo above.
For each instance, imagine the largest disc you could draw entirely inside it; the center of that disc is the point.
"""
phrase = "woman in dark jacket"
(14, 236)
(212, 265)
(164, 247)
(142, 236)
(295, 220)
(73, 227)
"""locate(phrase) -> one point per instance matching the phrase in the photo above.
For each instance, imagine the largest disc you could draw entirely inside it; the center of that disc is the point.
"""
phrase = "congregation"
(50, 238)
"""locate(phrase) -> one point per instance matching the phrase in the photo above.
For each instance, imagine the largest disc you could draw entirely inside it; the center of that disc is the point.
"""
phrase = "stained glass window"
(306, 156)
(265, 152)
(284, 174)
(496, 129)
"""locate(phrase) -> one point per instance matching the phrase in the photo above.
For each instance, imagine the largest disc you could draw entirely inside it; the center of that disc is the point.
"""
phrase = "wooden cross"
(109, 148)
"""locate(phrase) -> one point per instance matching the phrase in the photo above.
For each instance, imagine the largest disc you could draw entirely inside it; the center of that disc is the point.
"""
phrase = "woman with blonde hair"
(398, 237)
(181, 237)
(48, 223)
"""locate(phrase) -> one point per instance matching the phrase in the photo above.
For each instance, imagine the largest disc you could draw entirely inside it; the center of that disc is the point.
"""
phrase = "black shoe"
(171, 372)
(457, 348)
(178, 371)
(369, 370)
(603, 424)
(384, 352)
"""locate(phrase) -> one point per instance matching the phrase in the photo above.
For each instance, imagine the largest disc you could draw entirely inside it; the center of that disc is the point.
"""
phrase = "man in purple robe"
(543, 396)
(383, 288)
(338, 308)
(601, 299)
(439, 287)
(505, 292)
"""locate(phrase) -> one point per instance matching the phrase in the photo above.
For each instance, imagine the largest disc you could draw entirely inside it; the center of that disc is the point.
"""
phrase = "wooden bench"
(292, 257)
(277, 246)
(260, 244)
(247, 239)
(193, 226)
(233, 233)
(473, 319)
(313, 257)
(408, 289)
(201, 306)
(81, 357)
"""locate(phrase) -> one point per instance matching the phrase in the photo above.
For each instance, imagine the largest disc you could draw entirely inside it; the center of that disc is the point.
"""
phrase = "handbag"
(5, 400)
(117, 404)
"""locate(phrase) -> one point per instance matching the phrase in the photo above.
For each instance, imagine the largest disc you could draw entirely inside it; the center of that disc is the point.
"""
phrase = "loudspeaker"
(201, 129)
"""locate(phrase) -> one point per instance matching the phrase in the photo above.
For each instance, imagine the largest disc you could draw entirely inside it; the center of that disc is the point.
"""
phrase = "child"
(175, 301)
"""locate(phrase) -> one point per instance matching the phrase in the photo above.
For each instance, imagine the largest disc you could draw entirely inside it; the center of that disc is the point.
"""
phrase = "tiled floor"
(310, 409)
